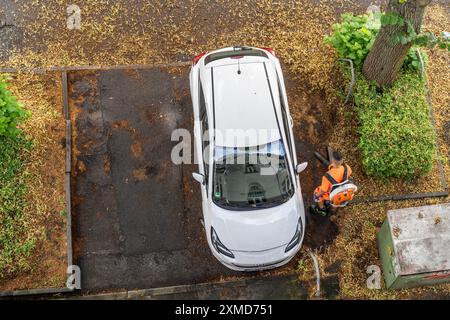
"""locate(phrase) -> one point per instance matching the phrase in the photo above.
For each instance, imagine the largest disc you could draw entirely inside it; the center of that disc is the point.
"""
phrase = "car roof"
(243, 101)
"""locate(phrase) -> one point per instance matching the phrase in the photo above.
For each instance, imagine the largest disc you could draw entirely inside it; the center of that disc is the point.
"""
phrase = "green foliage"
(412, 60)
(406, 36)
(351, 38)
(392, 19)
(15, 245)
(397, 137)
(430, 40)
(11, 112)
(409, 34)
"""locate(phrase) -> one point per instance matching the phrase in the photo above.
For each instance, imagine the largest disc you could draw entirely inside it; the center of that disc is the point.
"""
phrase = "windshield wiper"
(271, 203)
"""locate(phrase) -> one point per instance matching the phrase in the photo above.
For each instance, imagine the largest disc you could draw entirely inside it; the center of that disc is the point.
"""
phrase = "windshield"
(251, 177)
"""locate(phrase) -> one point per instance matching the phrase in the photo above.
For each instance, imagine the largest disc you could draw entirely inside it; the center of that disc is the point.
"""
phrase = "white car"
(252, 204)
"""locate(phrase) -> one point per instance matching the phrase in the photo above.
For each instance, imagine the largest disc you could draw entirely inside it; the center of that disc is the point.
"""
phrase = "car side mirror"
(199, 177)
(301, 167)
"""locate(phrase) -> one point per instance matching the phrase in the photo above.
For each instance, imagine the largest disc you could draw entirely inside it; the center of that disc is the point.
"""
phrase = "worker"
(337, 173)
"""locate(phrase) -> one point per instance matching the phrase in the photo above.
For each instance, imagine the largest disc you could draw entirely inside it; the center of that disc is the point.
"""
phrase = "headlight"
(219, 246)
(296, 239)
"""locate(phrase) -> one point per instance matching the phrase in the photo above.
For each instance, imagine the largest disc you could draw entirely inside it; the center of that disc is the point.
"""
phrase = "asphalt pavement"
(136, 214)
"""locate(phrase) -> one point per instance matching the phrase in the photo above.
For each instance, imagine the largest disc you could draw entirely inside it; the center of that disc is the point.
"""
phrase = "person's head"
(337, 159)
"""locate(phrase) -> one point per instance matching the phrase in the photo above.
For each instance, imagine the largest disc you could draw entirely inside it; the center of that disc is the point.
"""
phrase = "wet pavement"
(10, 30)
(136, 215)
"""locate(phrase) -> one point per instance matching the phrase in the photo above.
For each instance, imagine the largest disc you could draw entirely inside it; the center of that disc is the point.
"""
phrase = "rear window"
(235, 53)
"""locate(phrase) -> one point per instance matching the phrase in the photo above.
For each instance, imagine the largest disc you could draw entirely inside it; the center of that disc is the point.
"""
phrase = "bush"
(397, 137)
(11, 112)
(353, 38)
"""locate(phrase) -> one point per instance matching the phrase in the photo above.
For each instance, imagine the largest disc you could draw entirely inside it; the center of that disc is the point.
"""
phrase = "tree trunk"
(386, 57)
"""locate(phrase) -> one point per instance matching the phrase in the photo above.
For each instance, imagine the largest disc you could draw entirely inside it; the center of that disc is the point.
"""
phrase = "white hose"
(316, 267)
(422, 65)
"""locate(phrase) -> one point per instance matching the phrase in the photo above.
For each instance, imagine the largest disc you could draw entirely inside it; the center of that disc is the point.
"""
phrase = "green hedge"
(397, 137)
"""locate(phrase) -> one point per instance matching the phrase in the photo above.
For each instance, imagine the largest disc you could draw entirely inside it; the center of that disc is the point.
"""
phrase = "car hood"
(256, 230)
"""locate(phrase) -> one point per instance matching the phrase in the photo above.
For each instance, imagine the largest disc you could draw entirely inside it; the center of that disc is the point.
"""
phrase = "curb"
(158, 293)
(30, 292)
(68, 169)
(155, 292)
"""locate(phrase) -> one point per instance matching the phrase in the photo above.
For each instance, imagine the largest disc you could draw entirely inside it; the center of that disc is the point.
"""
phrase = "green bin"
(414, 246)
